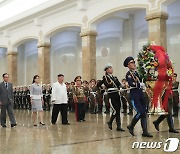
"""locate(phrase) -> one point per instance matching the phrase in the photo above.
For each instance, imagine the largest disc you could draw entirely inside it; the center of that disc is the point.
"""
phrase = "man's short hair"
(59, 75)
(5, 74)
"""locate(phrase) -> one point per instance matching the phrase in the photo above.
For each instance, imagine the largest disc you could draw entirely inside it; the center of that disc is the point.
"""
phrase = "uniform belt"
(175, 90)
(113, 89)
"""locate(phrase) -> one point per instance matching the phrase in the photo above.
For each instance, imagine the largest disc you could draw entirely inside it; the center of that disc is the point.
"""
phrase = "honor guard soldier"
(25, 104)
(123, 97)
(137, 98)
(168, 116)
(99, 99)
(15, 92)
(86, 92)
(107, 104)
(175, 95)
(48, 96)
(17, 97)
(28, 97)
(70, 97)
(21, 97)
(44, 96)
(93, 96)
(113, 86)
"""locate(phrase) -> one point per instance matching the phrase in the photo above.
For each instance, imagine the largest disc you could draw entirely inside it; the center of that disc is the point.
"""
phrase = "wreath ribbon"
(162, 80)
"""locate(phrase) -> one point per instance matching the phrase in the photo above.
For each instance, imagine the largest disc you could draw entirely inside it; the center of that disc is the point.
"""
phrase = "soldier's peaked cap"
(107, 66)
(127, 61)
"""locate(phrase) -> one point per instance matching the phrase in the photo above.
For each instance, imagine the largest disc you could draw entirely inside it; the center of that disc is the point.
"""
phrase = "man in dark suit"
(6, 101)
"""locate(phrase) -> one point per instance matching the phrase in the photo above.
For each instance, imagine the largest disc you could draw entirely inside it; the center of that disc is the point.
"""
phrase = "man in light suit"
(6, 101)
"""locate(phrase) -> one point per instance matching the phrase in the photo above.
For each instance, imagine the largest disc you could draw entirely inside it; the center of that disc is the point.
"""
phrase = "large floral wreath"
(154, 65)
(148, 63)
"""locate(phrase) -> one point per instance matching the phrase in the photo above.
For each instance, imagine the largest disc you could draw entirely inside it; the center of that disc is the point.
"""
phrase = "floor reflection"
(90, 137)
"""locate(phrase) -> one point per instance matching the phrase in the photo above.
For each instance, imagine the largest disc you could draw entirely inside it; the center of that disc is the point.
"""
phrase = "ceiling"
(11, 8)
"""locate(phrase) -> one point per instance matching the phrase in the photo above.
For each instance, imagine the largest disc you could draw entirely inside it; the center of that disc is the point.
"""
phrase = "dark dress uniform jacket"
(136, 94)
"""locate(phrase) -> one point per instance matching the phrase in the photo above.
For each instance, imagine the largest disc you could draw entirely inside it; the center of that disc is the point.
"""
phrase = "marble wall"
(3, 61)
(173, 35)
(66, 55)
(27, 62)
(119, 38)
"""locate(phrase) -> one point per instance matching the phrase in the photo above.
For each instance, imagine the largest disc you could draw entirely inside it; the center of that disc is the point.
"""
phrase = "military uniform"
(18, 98)
(28, 98)
(86, 92)
(70, 99)
(106, 102)
(113, 85)
(48, 98)
(99, 99)
(175, 98)
(93, 99)
(80, 106)
(15, 95)
(24, 97)
(137, 99)
(21, 98)
(168, 117)
(44, 97)
(79, 100)
(124, 100)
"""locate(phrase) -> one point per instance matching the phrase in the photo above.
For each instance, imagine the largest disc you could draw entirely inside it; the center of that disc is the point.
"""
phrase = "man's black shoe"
(109, 125)
(130, 130)
(146, 134)
(13, 125)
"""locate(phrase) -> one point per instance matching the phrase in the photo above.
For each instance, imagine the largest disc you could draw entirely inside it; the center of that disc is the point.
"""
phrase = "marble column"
(12, 66)
(44, 62)
(88, 55)
(157, 28)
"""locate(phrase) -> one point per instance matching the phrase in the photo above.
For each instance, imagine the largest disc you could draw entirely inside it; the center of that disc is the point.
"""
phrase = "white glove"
(121, 90)
(105, 93)
(142, 85)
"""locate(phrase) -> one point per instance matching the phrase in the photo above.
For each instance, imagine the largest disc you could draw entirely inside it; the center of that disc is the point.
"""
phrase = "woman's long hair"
(35, 78)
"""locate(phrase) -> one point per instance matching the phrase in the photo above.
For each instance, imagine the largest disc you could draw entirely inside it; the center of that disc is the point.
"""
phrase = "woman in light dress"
(36, 100)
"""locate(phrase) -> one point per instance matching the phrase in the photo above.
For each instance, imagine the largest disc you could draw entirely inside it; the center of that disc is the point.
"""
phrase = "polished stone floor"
(90, 137)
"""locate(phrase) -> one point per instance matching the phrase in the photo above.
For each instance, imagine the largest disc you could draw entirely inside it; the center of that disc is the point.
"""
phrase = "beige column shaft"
(157, 28)
(12, 66)
(88, 55)
(44, 62)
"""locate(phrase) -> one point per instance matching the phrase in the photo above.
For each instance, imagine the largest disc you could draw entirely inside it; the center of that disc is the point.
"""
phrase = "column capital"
(155, 15)
(12, 53)
(46, 45)
(88, 33)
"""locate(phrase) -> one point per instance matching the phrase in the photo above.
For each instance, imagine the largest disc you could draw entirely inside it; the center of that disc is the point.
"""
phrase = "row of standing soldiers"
(95, 98)
(22, 97)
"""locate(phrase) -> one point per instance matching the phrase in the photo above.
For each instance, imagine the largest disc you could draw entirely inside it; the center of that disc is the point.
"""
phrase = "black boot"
(171, 124)
(111, 121)
(118, 122)
(120, 129)
(131, 126)
(144, 127)
(158, 121)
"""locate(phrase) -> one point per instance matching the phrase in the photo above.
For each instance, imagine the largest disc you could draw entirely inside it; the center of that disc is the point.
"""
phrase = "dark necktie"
(6, 86)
